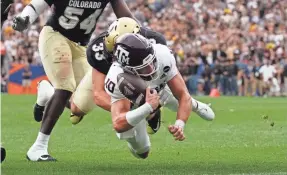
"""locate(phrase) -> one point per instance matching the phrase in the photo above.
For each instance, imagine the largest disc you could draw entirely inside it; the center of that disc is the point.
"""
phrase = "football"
(132, 87)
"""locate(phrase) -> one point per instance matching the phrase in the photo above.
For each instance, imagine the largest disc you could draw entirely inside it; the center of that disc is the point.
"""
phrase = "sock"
(45, 92)
(41, 100)
(194, 104)
(68, 105)
(41, 142)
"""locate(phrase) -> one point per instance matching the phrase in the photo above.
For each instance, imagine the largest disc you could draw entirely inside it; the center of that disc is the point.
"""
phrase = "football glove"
(20, 24)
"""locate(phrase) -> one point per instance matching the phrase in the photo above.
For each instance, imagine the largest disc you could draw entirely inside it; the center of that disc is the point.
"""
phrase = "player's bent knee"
(143, 152)
(77, 114)
(140, 153)
(144, 155)
(76, 111)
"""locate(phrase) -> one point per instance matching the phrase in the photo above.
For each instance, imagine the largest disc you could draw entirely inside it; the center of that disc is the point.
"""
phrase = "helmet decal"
(122, 55)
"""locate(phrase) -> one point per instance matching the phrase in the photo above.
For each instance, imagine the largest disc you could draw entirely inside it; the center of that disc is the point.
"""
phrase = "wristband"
(29, 11)
(179, 123)
(34, 9)
(154, 111)
(135, 116)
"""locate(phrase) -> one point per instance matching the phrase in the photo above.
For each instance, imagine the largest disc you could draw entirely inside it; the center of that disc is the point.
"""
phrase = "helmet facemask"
(148, 70)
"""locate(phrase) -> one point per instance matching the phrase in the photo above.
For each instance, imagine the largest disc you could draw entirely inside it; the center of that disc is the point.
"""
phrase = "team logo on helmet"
(122, 55)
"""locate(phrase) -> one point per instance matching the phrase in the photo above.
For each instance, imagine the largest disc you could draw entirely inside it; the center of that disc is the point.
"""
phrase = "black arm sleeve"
(153, 35)
(96, 57)
(102, 66)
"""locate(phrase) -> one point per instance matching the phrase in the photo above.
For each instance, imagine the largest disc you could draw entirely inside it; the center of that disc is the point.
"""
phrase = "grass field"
(239, 141)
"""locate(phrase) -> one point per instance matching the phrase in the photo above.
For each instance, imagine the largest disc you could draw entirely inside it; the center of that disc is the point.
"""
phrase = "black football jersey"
(76, 19)
(101, 60)
(4, 13)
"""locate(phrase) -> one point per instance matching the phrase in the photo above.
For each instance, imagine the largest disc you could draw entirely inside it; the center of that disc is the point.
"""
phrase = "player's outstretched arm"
(101, 98)
(179, 90)
(124, 119)
(119, 109)
(121, 9)
(29, 14)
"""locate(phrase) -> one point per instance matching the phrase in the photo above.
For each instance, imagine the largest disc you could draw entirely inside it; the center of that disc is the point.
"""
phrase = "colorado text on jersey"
(85, 4)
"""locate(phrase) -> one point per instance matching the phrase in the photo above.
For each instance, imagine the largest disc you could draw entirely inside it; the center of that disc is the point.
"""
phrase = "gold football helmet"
(119, 27)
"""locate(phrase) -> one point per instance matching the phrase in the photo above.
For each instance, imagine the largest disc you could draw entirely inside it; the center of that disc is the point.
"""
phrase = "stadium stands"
(217, 43)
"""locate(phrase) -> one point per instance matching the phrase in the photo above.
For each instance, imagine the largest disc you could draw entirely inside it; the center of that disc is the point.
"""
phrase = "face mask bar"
(147, 71)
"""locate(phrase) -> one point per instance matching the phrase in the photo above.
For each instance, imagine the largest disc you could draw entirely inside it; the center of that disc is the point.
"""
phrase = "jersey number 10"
(110, 85)
(70, 19)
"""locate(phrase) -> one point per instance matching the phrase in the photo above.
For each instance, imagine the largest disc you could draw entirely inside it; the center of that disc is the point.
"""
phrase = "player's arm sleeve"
(154, 36)
(101, 65)
(160, 39)
(35, 8)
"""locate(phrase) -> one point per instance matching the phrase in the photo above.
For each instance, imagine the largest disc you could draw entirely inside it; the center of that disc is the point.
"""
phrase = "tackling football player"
(100, 58)
(62, 49)
(140, 75)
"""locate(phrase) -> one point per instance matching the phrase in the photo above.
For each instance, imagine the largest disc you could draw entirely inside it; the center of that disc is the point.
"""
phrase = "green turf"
(239, 141)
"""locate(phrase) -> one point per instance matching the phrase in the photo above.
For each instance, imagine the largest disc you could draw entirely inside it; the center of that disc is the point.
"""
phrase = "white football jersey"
(167, 70)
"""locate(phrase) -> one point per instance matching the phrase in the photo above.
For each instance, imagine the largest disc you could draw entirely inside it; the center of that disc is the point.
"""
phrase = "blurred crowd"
(236, 46)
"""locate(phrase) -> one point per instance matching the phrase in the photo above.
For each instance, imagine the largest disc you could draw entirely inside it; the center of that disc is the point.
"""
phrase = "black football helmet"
(137, 55)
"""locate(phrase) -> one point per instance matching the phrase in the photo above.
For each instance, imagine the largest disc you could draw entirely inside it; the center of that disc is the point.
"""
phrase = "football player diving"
(62, 47)
(140, 75)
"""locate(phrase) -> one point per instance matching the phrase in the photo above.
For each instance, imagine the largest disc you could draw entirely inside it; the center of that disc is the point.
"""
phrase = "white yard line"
(277, 173)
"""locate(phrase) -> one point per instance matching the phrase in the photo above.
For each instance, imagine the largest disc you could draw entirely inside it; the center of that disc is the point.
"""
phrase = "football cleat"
(38, 112)
(3, 154)
(43, 158)
(75, 119)
(154, 122)
(38, 152)
(204, 111)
